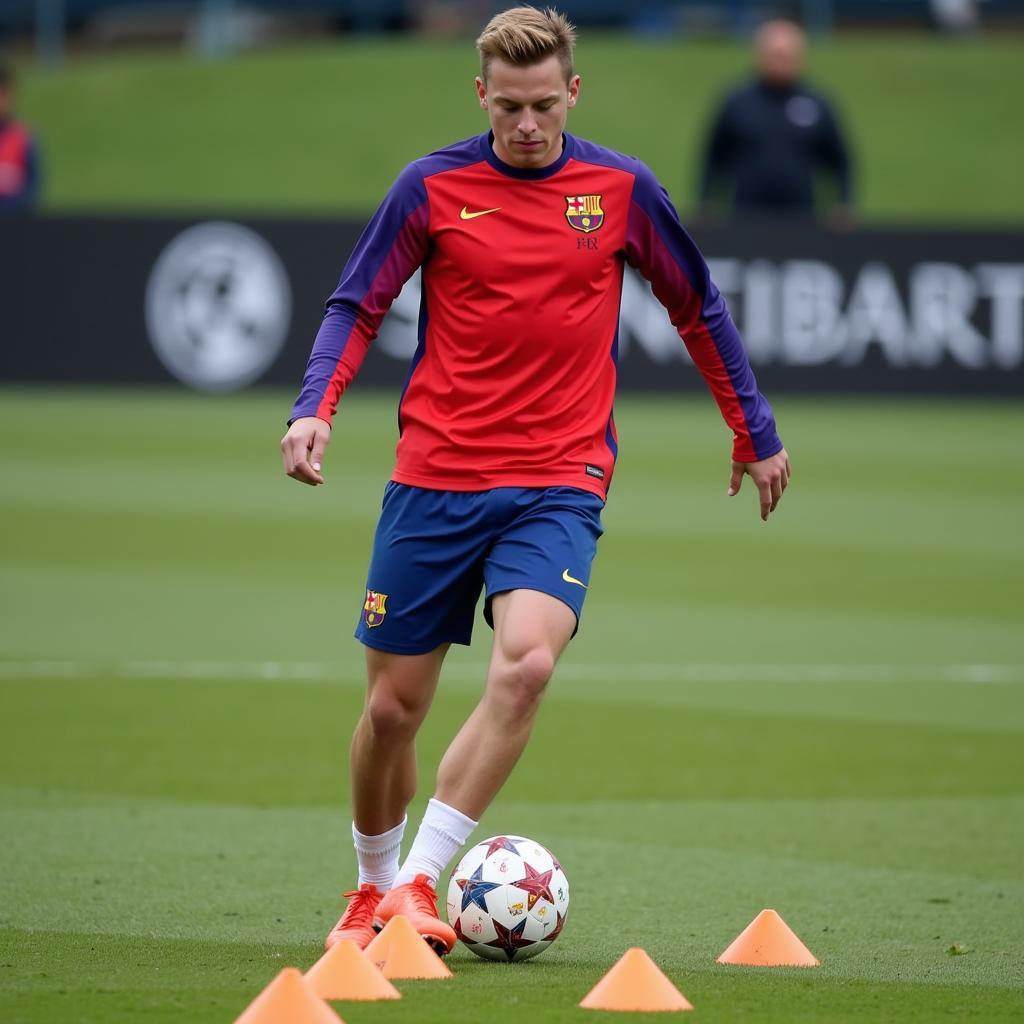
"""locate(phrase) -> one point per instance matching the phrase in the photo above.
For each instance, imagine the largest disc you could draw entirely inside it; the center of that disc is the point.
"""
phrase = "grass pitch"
(823, 714)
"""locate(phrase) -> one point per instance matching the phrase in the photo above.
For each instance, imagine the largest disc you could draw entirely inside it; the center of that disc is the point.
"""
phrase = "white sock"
(378, 855)
(442, 834)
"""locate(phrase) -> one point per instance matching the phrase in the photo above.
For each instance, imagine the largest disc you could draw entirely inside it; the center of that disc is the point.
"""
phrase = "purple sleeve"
(391, 247)
(660, 248)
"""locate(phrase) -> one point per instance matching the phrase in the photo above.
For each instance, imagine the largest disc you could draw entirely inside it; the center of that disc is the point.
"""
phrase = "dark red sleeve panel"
(660, 248)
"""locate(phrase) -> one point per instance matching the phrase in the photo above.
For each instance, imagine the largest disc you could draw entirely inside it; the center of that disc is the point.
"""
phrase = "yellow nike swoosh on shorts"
(572, 579)
(466, 215)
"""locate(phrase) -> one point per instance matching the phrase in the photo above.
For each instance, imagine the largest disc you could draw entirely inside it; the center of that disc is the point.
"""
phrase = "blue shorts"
(436, 550)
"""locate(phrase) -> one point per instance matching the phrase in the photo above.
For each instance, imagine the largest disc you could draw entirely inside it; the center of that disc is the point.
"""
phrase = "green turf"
(823, 714)
(327, 127)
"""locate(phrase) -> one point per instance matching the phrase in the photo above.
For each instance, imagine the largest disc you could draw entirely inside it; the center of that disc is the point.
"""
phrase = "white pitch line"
(323, 671)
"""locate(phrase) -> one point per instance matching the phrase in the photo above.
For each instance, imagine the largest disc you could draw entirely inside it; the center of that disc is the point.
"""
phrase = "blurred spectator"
(19, 161)
(774, 136)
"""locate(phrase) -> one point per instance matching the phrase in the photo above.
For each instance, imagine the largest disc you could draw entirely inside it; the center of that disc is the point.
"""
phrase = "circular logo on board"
(218, 305)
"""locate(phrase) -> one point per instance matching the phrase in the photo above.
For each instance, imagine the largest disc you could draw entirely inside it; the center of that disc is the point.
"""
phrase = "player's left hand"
(770, 476)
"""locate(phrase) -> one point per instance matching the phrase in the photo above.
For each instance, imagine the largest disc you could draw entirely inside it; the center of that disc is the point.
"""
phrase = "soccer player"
(507, 443)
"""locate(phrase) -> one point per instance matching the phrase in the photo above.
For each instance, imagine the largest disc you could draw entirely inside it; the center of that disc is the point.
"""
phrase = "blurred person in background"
(773, 137)
(19, 159)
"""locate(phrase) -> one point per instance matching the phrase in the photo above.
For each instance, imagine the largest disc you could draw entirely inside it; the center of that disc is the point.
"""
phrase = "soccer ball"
(508, 898)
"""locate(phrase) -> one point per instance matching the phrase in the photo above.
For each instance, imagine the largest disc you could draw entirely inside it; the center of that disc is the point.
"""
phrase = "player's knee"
(523, 679)
(535, 668)
(390, 717)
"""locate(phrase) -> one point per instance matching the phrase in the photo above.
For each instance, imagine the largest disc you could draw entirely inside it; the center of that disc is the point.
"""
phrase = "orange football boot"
(417, 901)
(357, 921)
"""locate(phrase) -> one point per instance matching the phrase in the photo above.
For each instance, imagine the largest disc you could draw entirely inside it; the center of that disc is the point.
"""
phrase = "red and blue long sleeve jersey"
(19, 166)
(513, 379)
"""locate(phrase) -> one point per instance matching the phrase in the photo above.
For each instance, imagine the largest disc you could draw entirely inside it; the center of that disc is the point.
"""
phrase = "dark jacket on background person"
(769, 142)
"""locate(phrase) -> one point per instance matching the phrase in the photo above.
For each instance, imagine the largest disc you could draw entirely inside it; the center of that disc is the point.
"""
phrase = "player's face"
(780, 53)
(527, 107)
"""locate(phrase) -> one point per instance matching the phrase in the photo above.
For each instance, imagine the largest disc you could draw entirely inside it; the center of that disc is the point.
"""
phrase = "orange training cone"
(768, 942)
(289, 998)
(401, 952)
(346, 972)
(635, 983)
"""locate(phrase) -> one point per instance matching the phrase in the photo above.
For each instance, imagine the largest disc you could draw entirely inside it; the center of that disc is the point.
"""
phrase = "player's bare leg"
(383, 760)
(531, 630)
(383, 756)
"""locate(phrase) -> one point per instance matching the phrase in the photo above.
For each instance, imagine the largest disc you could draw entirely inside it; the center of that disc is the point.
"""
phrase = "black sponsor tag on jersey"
(594, 471)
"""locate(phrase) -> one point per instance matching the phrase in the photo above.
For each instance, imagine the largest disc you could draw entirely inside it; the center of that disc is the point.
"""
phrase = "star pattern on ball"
(510, 939)
(557, 930)
(475, 889)
(500, 843)
(536, 884)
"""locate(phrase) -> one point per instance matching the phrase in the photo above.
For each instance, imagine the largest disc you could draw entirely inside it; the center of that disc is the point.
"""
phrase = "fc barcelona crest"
(584, 213)
(375, 608)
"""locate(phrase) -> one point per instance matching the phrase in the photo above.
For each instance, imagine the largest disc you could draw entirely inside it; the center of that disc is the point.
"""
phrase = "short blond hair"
(526, 35)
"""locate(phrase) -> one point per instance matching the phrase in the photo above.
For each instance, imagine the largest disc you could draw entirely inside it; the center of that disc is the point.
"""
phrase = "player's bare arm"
(770, 476)
(302, 448)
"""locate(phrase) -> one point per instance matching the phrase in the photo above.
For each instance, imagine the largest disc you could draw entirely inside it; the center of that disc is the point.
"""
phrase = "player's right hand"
(303, 449)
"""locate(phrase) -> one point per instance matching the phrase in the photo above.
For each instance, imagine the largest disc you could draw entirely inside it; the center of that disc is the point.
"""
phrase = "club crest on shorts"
(584, 213)
(375, 608)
